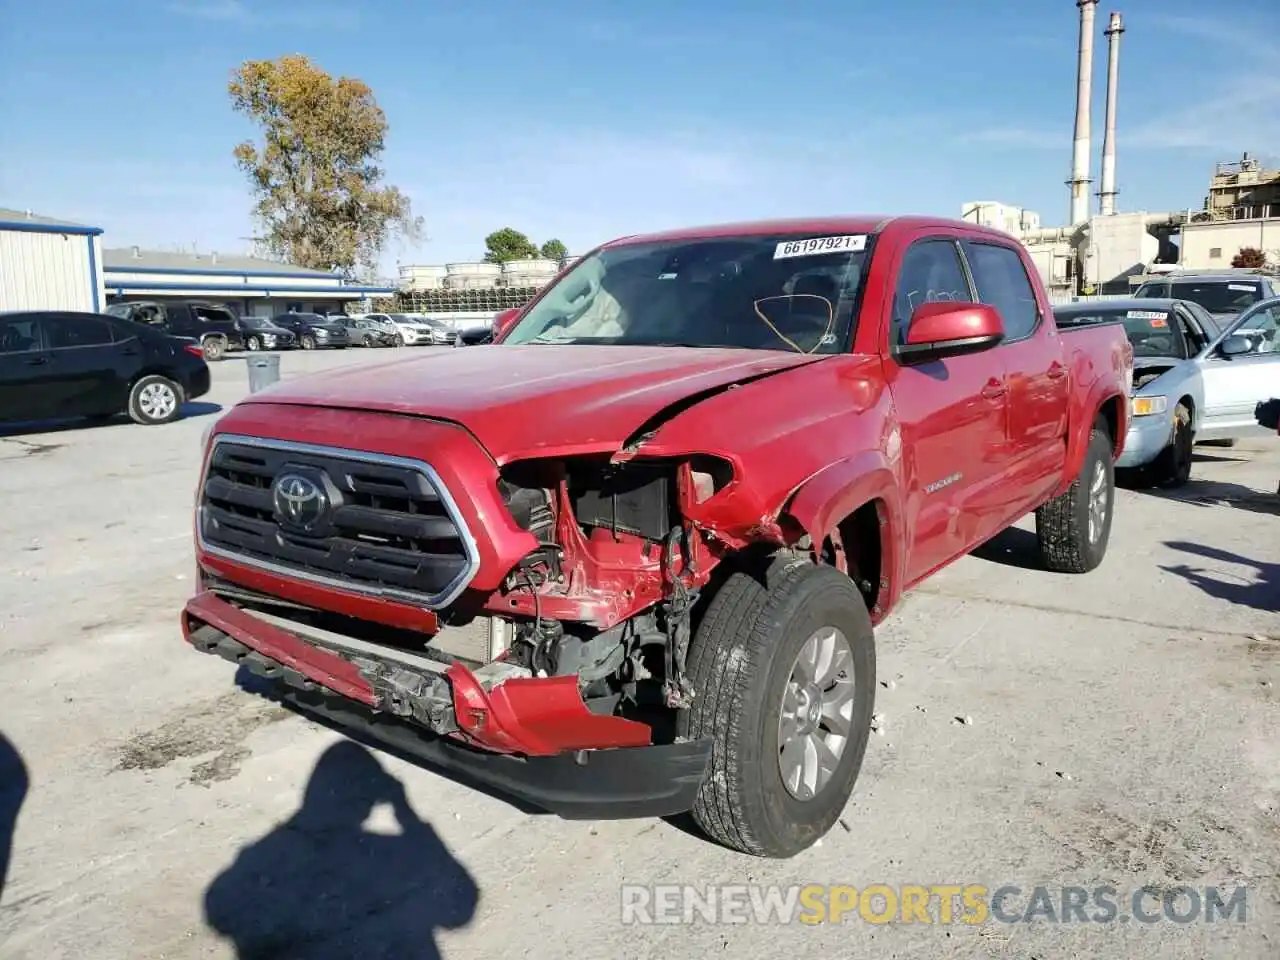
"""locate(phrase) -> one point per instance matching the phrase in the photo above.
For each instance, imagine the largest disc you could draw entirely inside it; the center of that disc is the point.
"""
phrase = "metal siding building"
(248, 285)
(48, 264)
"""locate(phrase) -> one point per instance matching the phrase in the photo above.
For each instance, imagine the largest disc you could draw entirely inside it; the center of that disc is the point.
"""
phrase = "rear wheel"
(784, 677)
(155, 400)
(1074, 528)
(215, 348)
(1172, 466)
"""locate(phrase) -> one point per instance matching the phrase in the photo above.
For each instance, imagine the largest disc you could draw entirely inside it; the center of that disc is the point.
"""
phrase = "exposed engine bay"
(594, 517)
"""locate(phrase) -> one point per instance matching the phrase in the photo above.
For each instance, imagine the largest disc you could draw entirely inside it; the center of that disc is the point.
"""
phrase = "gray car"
(1223, 295)
(1195, 379)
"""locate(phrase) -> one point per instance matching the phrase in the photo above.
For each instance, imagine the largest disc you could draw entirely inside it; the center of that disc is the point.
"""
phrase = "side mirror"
(504, 320)
(1236, 345)
(947, 329)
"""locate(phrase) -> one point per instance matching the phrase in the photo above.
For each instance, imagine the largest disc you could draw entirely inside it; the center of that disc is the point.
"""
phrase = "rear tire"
(155, 400)
(1074, 528)
(1172, 466)
(215, 348)
(744, 669)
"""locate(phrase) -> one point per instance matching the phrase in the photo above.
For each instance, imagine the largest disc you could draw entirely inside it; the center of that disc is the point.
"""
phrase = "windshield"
(256, 323)
(792, 292)
(1153, 333)
(403, 318)
(119, 310)
(1218, 296)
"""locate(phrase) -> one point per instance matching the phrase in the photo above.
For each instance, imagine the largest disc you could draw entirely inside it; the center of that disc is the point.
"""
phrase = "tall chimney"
(1079, 181)
(1107, 194)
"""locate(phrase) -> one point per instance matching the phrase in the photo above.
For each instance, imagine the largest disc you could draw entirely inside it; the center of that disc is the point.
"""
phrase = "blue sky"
(586, 119)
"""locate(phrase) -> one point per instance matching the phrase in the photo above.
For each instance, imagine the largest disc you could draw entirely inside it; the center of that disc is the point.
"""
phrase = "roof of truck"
(817, 226)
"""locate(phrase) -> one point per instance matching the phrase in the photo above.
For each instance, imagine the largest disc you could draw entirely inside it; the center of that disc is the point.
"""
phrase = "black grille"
(382, 525)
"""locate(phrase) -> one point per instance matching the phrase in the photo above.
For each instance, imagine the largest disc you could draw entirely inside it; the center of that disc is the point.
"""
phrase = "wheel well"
(854, 547)
(1190, 405)
(1109, 419)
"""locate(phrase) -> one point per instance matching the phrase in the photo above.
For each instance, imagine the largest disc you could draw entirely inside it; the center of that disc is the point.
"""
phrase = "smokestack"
(1079, 181)
(1107, 194)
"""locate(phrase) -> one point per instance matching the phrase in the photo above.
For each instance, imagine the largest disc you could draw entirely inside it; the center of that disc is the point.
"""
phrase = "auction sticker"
(1242, 286)
(1152, 315)
(820, 245)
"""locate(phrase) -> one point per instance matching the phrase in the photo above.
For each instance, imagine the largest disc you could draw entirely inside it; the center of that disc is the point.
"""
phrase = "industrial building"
(1109, 252)
(48, 264)
(249, 286)
(477, 286)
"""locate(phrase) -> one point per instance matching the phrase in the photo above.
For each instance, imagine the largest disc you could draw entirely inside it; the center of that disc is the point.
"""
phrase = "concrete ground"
(1124, 730)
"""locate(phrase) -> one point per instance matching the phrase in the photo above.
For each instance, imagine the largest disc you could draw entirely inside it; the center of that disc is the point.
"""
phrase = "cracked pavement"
(1124, 731)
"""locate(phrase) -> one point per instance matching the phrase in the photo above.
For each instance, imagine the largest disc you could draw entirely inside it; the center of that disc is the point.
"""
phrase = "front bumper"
(531, 738)
(1147, 436)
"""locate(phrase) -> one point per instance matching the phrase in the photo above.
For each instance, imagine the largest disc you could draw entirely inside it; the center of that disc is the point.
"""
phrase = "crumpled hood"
(527, 401)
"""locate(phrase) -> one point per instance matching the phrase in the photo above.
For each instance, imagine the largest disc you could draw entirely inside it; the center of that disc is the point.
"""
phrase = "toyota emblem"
(298, 500)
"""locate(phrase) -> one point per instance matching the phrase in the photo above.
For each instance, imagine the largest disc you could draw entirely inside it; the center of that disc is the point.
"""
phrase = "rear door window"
(214, 315)
(1002, 282)
(67, 331)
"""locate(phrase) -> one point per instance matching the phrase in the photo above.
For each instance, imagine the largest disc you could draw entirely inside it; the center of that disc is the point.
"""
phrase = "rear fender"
(836, 491)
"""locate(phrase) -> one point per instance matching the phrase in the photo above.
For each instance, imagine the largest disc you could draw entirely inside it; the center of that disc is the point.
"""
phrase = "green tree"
(555, 250)
(1250, 257)
(508, 244)
(320, 193)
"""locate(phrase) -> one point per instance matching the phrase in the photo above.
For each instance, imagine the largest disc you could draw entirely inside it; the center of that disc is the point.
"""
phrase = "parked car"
(788, 423)
(313, 330)
(1194, 379)
(1224, 295)
(259, 333)
(413, 329)
(56, 364)
(213, 325)
(442, 334)
(366, 332)
(485, 333)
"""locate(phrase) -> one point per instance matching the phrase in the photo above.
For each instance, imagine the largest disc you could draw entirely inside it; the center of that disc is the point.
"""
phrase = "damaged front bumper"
(532, 738)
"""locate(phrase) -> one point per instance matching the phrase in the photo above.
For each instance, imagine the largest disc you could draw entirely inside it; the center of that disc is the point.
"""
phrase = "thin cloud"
(1016, 138)
(239, 13)
(1243, 113)
(1224, 34)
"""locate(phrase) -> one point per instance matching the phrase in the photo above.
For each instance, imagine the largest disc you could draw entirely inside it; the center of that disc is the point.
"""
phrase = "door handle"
(994, 389)
(1057, 371)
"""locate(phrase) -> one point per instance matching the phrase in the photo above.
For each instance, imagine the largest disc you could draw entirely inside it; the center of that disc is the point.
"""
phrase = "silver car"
(1195, 380)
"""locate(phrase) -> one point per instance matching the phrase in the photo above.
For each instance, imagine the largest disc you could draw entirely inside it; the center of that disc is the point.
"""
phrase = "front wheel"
(254, 343)
(399, 340)
(307, 342)
(367, 340)
(155, 400)
(1074, 528)
(783, 674)
(1172, 466)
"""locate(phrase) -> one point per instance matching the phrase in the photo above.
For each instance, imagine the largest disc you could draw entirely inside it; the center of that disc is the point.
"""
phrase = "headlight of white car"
(1149, 406)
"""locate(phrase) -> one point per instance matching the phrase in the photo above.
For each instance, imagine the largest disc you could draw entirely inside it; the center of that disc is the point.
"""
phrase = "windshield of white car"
(1217, 296)
(1153, 332)
(793, 292)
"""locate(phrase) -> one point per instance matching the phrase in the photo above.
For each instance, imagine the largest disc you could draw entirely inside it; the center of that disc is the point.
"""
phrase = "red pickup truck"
(627, 559)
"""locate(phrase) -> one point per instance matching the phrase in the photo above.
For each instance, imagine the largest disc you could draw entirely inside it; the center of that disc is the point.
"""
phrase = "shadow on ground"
(19, 428)
(1262, 594)
(1214, 493)
(323, 885)
(1012, 547)
(14, 782)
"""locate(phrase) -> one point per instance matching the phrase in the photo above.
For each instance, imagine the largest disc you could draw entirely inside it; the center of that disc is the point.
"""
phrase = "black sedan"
(259, 333)
(56, 364)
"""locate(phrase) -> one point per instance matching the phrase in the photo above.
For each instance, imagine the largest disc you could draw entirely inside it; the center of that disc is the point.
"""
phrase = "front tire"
(307, 342)
(155, 400)
(784, 679)
(254, 343)
(1172, 466)
(1074, 528)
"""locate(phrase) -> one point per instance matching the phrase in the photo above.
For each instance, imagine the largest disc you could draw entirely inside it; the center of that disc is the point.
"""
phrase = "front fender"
(836, 491)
